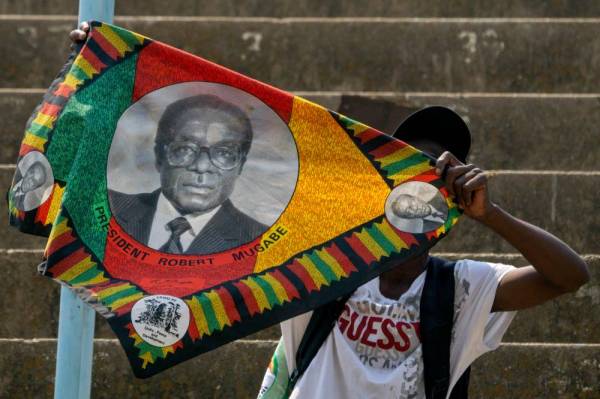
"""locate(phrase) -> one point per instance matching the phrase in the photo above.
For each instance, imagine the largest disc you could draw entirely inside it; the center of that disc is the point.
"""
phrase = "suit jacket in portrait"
(228, 228)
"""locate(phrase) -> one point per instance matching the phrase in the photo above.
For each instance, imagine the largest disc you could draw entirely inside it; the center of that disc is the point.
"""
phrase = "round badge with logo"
(160, 320)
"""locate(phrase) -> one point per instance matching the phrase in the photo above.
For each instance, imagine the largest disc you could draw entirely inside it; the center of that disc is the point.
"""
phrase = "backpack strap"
(437, 316)
(320, 325)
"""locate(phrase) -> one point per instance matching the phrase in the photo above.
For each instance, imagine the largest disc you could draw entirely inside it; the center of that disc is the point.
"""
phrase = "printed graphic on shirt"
(160, 320)
(382, 335)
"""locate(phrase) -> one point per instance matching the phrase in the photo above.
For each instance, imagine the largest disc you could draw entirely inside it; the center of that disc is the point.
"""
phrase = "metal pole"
(73, 378)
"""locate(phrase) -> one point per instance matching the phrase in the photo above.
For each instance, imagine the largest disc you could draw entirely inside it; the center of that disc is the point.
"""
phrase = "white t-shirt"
(374, 351)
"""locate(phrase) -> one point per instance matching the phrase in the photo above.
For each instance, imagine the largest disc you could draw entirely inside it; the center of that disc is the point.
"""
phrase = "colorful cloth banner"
(192, 206)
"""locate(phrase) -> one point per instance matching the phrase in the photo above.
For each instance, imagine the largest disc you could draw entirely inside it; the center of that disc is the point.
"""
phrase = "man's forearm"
(551, 257)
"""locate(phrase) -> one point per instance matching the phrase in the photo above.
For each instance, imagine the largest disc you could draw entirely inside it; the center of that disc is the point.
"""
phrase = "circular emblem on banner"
(416, 207)
(161, 320)
(199, 168)
(33, 181)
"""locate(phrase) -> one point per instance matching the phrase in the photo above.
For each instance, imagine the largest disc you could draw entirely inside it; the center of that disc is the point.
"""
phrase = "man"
(374, 349)
(201, 145)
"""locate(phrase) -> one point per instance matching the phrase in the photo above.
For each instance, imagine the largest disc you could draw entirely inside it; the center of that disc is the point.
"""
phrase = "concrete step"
(523, 132)
(236, 370)
(35, 299)
(316, 8)
(360, 55)
(563, 203)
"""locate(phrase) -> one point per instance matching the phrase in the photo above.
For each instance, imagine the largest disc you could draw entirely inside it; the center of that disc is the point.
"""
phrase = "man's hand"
(555, 268)
(79, 35)
(467, 183)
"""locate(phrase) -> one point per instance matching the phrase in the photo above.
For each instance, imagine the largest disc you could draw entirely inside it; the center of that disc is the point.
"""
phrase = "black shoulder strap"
(437, 314)
(320, 325)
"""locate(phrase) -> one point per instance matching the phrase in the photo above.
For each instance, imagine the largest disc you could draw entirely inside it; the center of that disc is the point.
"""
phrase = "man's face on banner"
(202, 162)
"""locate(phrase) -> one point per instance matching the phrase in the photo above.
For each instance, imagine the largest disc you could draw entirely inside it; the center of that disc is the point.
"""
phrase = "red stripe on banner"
(426, 177)
(249, 299)
(50, 109)
(444, 191)
(59, 242)
(42, 212)
(360, 249)
(342, 259)
(159, 65)
(92, 59)
(68, 262)
(303, 275)
(106, 45)
(125, 309)
(368, 135)
(63, 90)
(192, 329)
(25, 149)
(99, 288)
(229, 305)
(387, 149)
(431, 235)
(408, 238)
(291, 291)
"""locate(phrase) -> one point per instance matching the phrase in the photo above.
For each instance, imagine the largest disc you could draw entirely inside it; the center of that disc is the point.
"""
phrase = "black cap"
(439, 124)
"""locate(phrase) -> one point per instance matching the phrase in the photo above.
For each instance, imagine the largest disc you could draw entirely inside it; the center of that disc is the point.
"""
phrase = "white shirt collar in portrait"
(165, 212)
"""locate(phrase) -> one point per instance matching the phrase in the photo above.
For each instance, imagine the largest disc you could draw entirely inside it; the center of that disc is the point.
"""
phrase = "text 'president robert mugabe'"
(201, 146)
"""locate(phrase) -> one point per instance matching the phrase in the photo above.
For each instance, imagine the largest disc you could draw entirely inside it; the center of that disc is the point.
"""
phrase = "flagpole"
(73, 379)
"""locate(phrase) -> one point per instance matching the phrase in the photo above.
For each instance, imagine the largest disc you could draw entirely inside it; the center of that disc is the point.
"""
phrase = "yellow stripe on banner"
(72, 81)
(218, 308)
(113, 290)
(124, 301)
(137, 339)
(93, 281)
(138, 37)
(60, 228)
(114, 39)
(280, 292)
(311, 269)
(201, 323)
(332, 263)
(389, 233)
(259, 295)
(167, 349)
(34, 141)
(396, 156)
(77, 269)
(409, 173)
(358, 128)
(85, 66)
(371, 245)
(45, 120)
(57, 193)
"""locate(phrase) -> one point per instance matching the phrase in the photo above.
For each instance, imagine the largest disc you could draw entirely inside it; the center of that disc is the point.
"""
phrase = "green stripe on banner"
(85, 138)
(121, 294)
(85, 276)
(127, 37)
(381, 239)
(209, 313)
(78, 73)
(268, 290)
(322, 267)
(39, 130)
(405, 163)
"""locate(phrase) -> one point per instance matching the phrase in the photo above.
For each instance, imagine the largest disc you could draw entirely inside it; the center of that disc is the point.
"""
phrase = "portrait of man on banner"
(201, 146)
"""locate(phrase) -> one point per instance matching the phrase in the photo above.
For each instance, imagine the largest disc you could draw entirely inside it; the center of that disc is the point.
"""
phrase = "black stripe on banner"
(102, 56)
(238, 299)
(296, 282)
